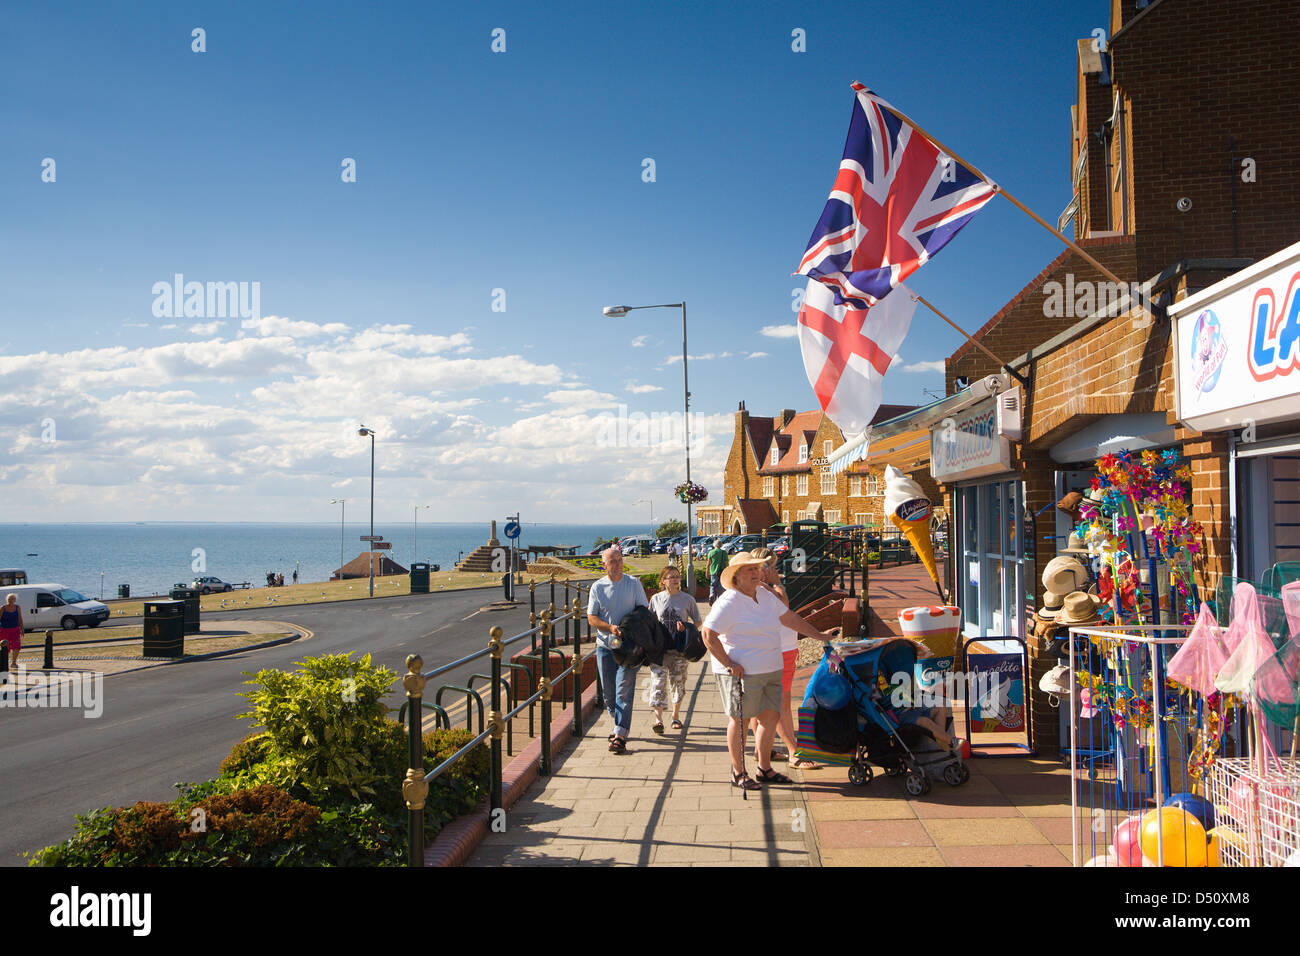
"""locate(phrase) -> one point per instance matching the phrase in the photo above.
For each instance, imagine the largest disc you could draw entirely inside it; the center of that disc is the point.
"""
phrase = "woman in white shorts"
(743, 635)
(673, 607)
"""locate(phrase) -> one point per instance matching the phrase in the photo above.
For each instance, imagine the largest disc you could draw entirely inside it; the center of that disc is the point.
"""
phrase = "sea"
(151, 556)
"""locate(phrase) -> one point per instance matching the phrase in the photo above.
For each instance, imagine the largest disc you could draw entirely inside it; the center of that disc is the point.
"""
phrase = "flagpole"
(973, 341)
(1010, 198)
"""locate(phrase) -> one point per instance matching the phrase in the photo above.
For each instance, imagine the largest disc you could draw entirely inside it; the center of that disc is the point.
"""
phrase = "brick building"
(1182, 171)
(773, 475)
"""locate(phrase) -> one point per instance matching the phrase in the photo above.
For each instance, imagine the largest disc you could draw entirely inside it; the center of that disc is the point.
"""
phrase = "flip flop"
(676, 724)
(658, 727)
(798, 763)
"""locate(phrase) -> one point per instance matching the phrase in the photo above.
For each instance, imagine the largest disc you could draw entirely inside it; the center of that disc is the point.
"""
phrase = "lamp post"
(363, 431)
(415, 533)
(618, 311)
(342, 514)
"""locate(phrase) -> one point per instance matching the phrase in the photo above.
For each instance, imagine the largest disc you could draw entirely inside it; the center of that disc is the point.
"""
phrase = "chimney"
(787, 416)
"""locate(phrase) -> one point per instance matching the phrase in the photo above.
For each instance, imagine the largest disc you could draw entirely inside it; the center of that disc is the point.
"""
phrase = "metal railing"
(497, 725)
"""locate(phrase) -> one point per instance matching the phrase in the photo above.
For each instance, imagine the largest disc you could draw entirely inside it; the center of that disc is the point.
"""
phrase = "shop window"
(995, 566)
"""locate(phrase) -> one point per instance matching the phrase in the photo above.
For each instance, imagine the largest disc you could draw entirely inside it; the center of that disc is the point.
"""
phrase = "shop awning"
(1114, 433)
(908, 450)
(860, 447)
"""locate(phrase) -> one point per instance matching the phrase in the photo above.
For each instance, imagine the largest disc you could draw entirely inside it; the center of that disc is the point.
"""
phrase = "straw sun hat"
(1064, 574)
(742, 560)
(1080, 608)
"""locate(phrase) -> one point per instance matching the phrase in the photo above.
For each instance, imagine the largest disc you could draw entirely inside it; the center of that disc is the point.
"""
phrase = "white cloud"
(580, 399)
(756, 355)
(643, 389)
(780, 331)
(206, 328)
(674, 359)
(293, 328)
(639, 341)
(935, 366)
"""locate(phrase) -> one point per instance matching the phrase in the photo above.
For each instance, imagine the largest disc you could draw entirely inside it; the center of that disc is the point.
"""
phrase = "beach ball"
(1102, 859)
(1198, 807)
(1127, 846)
(1183, 837)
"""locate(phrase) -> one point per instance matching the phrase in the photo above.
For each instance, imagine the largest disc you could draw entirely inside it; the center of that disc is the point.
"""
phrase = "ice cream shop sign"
(969, 445)
(1237, 347)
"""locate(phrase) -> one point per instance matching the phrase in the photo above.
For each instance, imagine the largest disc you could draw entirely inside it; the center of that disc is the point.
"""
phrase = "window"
(785, 485)
(828, 483)
(826, 447)
(785, 517)
(996, 576)
(861, 517)
(855, 486)
(803, 452)
(769, 487)
(776, 453)
(801, 486)
(873, 485)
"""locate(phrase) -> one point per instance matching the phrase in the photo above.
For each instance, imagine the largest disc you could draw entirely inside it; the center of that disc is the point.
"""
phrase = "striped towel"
(806, 740)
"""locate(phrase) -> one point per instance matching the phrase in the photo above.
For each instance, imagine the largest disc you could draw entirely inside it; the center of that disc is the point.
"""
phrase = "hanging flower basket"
(688, 492)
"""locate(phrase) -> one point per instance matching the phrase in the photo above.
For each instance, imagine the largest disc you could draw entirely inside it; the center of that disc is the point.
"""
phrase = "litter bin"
(191, 598)
(164, 628)
(419, 578)
(643, 548)
(124, 590)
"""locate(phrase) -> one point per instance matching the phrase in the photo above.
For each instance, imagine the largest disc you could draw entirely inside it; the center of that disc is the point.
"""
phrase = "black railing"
(497, 723)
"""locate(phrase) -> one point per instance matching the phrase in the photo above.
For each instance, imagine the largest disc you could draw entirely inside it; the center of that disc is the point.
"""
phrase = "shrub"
(649, 581)
(457, 791)
(251, 750)
(324, 723)
(873, 557)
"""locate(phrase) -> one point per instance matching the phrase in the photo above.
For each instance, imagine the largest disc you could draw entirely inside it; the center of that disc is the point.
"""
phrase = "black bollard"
(49, 651)
(4, 657)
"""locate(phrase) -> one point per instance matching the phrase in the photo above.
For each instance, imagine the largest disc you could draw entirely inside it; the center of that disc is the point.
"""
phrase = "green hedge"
(318, 785)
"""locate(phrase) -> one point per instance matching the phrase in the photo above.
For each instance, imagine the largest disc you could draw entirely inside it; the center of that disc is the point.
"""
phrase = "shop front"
(993, 552)
(1236, 348)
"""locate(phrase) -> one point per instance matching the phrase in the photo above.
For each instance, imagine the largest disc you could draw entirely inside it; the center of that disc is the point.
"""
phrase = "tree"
(671, 528)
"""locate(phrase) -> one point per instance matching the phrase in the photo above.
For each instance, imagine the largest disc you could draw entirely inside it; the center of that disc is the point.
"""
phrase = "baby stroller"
(890, 734)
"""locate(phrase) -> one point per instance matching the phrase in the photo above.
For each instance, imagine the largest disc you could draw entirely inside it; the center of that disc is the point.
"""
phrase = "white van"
(46, 606)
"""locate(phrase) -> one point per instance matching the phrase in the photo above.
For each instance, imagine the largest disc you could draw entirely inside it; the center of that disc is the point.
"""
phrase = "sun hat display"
(1064, 574)
(1080, 608)
(742, 560)
(1056, 681)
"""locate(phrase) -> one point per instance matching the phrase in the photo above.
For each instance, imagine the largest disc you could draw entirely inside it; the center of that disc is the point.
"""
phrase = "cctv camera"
(1184, 204)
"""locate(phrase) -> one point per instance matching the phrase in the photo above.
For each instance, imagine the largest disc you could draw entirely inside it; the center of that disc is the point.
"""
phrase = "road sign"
(512, 529)
(382, 546)
(372, 537)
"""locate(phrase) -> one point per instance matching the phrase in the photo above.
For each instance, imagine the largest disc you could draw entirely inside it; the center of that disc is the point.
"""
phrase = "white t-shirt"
(789, 638)
(750, 631)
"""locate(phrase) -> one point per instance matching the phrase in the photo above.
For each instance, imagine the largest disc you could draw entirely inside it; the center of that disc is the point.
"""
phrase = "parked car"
(47, 605)
(743, 542)
(210, 585)
(12, 576)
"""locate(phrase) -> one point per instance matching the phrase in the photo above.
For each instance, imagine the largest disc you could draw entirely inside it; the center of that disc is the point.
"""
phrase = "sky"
(449, 296)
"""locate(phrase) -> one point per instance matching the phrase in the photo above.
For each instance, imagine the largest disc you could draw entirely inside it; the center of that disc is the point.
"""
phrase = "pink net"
(1201, 657)
(1247, 641)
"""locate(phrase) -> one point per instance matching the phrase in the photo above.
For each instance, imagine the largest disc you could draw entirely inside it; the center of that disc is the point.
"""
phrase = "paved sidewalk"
(667, 801)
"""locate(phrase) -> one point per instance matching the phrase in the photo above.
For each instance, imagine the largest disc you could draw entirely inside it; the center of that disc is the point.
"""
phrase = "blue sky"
(475, 171)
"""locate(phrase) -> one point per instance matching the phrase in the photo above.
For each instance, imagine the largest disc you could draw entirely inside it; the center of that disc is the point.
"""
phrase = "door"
(46, 613)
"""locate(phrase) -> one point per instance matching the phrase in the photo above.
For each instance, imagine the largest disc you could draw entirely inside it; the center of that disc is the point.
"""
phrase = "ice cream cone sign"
(909, 509)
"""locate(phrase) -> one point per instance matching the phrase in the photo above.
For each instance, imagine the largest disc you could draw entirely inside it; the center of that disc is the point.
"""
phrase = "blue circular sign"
(512, 529)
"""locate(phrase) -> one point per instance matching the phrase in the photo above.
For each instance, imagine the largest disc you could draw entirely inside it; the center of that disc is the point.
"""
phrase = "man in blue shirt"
(613, 597)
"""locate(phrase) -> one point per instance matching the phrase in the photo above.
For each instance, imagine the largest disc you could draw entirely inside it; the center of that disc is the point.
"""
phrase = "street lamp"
(342, 514)
(618, 311)
(415, 534)
(363, 431)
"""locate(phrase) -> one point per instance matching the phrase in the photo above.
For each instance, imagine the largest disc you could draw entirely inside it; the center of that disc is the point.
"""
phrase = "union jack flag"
(896, 202)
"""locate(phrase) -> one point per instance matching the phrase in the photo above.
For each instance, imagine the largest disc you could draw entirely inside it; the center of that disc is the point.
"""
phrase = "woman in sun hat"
(743, 635)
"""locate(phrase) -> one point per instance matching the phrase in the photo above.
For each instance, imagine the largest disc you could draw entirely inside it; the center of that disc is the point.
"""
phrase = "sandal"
(771, 776)
(744, 781)
(779, 755)
(658, 727)
(676, 724)
(618, 745)
(798, 763)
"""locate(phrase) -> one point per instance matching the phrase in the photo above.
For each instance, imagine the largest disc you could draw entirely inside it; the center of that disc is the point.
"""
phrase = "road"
(169, 724)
